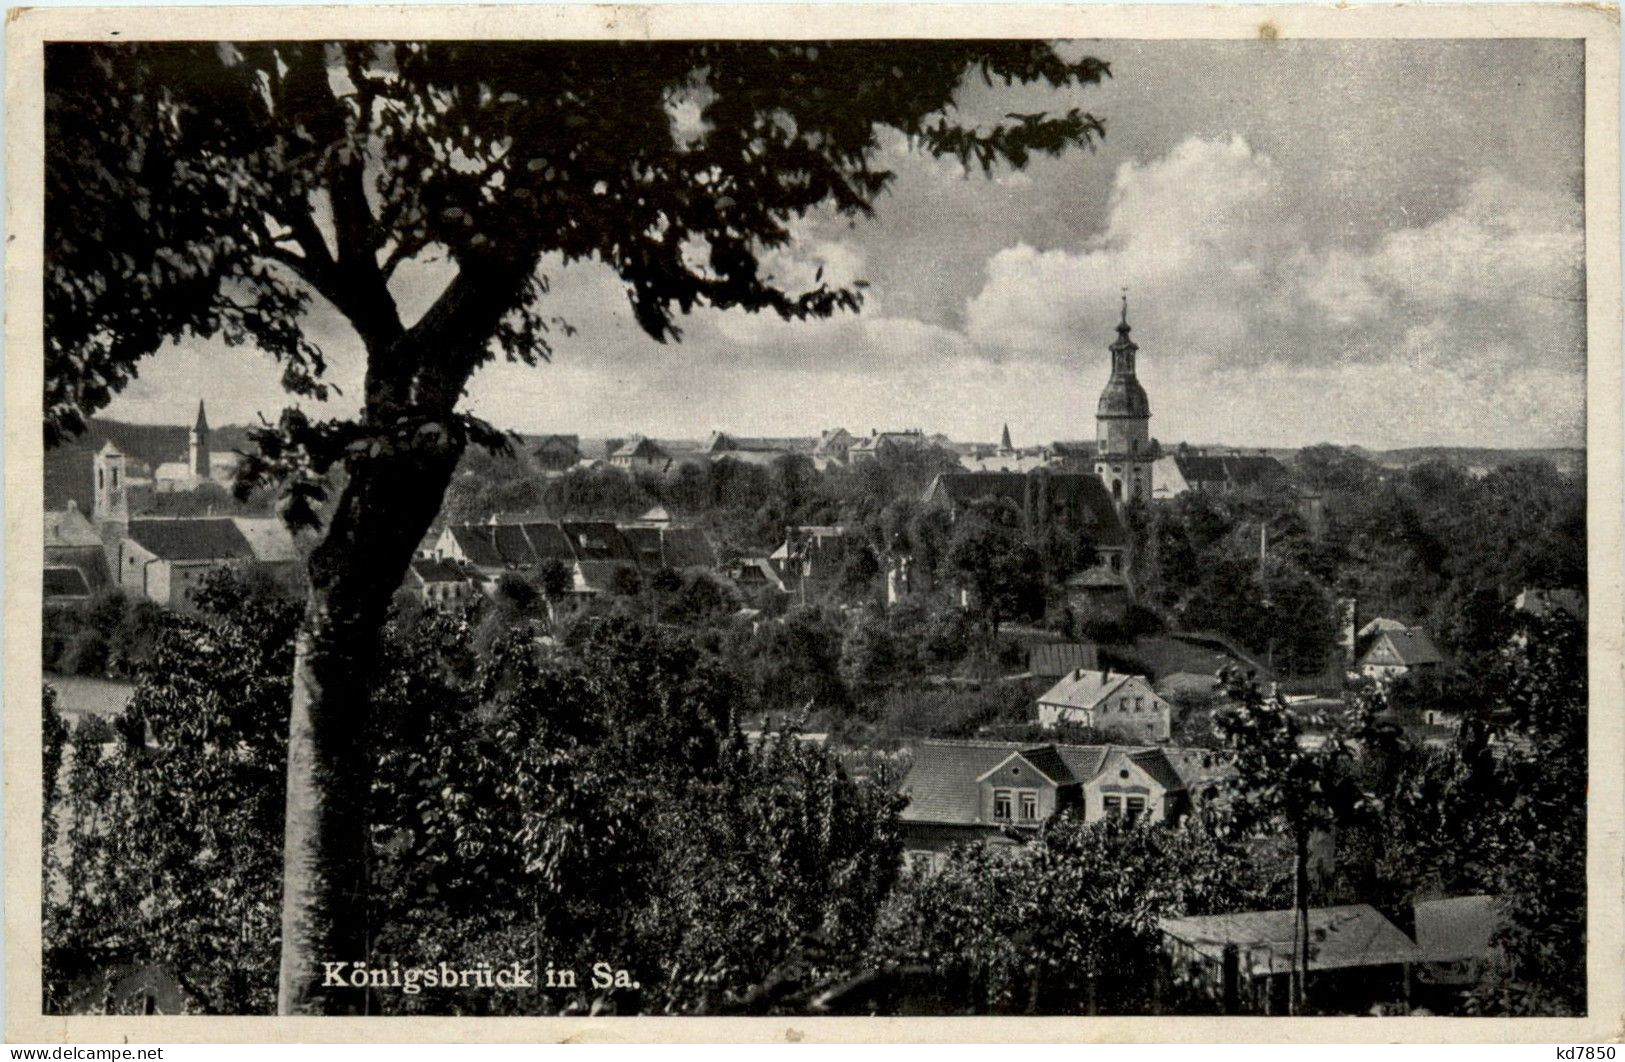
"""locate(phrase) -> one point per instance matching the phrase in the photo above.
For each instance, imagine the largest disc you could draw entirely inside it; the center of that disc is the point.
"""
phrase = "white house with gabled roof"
(1105, 700)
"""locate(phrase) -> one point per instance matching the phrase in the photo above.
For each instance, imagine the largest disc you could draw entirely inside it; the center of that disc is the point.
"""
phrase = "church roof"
(1042, 491)
(1123, 397)
(208, 538)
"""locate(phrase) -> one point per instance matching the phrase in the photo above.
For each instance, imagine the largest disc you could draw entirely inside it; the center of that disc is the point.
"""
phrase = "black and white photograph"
(867, 525)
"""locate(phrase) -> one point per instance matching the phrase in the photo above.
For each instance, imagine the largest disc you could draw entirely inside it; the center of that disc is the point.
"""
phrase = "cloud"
(1427, 329)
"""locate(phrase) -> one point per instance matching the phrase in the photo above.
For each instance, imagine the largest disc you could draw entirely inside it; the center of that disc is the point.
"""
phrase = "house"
(811, 553)
(880, 443)
(999, 792)
(438, 583)
(1126, 704)
(1242, 962)
(161, 560)
(831, 448)
(1547, 603)
(639, 452)
(1072, 502)
(757, 572)
(754, 450)
(1188, 468)
(592, 551)
(654, 516)
(1399, 652)
(556, 454)
(72, 542)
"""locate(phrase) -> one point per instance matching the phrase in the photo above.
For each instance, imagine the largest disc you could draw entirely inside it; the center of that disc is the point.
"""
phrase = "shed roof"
(1054, 659)
(1351, 935)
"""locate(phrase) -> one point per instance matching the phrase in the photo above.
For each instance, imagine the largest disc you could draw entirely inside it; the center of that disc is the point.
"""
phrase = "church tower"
(197, 443)
(1125, 451)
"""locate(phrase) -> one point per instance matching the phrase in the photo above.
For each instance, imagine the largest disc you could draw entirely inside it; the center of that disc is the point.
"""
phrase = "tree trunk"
(1300, 923)
(383, 512)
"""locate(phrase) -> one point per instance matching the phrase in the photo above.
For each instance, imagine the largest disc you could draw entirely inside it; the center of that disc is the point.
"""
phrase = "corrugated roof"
(1055, 659)
(205, 538)
(1339, 938)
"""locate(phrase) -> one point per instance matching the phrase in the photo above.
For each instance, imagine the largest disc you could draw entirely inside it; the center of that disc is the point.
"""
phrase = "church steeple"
(1004, 440)
(1123, 422)
(197, 445)
(1123, 350)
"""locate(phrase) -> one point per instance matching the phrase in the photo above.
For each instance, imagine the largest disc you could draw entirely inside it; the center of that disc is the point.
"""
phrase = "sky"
(1362, 242)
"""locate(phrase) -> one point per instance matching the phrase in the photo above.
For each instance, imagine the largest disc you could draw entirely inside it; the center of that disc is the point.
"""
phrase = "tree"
(591, 802)
(1535, 831)
(1002, 572)
(1279, 781)
(215, 189)
(1068, 924)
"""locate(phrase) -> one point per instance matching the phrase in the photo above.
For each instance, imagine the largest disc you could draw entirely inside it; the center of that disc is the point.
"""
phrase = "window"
(1001, 805)
(1112, 805)
(1136, 808)
(1139, 704)
(1029, 807)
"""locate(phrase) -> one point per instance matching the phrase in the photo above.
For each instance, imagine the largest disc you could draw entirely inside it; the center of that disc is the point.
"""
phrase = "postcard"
(841, 523)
